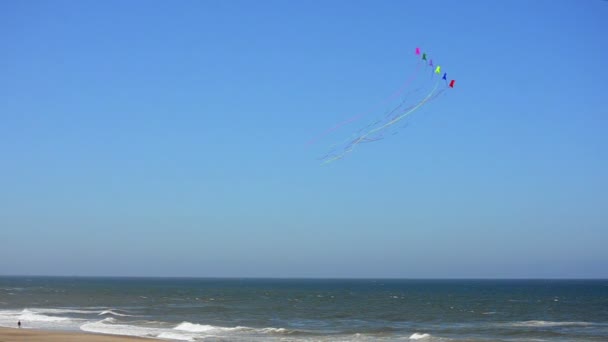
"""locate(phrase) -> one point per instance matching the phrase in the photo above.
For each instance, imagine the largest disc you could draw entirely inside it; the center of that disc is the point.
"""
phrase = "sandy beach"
(30, 335)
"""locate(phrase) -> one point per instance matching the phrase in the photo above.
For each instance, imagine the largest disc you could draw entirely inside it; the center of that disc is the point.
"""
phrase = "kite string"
(373, 123)
(393, 121)
(360, 139)
(358, 116)
(386, 116)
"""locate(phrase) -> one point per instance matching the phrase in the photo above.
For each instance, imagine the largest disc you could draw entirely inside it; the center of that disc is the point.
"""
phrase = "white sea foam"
(191, 327)
(273, 330)
(114, 313)
(204, 328)
(59, 319)
(31, 316)
(104, 320)
(184, 331)
(63, 311)
(175, 336)
(109, 326)
(417, 336)
(548, 324)
(12, 288)
(34, 318)
(60, 311)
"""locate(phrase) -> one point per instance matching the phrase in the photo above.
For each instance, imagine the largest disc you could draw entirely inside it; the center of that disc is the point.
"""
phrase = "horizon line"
(297, 278)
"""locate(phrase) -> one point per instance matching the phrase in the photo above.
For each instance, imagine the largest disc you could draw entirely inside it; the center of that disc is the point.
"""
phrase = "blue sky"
(168, 139)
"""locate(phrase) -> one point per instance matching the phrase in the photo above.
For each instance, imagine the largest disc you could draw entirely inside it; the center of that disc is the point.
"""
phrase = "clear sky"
(168, 138)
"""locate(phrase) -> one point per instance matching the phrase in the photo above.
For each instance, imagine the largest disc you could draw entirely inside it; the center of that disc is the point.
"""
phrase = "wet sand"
(30, 335)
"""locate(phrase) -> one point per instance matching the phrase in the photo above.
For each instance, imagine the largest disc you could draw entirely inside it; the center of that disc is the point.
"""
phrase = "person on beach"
(19, 324)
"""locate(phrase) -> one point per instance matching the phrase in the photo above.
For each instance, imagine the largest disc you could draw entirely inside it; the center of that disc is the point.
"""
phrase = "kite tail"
(375, 122)
(405, 85)
(359, 116)
(430, 96)
(323, 134)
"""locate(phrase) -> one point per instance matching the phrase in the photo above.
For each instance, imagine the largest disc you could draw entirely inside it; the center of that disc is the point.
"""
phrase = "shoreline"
(35, 335)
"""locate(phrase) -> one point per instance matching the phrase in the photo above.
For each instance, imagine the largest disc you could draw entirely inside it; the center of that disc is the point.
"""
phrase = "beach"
(18, 335)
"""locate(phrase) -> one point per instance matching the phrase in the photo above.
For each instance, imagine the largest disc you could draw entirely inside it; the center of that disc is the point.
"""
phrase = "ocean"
(189, 309)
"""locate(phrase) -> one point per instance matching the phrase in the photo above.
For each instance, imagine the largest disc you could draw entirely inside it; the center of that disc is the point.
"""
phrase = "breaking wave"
(37, 319)
(184, 331)
(192, 327)
(549, 324)
(113, 313)
(417, 336)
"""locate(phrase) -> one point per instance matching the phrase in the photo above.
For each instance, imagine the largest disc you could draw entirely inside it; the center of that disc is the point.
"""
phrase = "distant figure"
(19, 324)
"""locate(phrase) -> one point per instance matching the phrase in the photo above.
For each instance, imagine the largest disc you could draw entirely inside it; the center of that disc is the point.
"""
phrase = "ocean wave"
(274, 330)
(184, 331)
(175, 336)
(549, 324)
(31, 316)
(418, 336)
(191, 327)
(198, 328)
(12, 288)
(61, 311)
(107, 320)
(108, 326)
(114, 313)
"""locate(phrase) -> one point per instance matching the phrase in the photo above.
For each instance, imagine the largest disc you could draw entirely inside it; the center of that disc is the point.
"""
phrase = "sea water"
(311, 309)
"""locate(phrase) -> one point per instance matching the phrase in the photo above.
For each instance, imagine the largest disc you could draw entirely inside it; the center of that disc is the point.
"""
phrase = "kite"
(395, 117)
